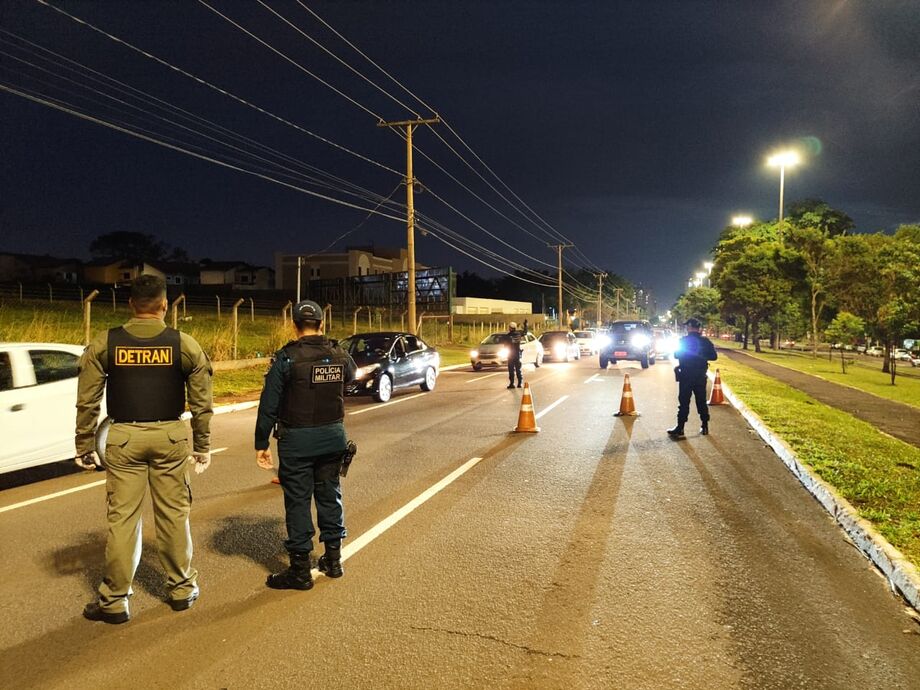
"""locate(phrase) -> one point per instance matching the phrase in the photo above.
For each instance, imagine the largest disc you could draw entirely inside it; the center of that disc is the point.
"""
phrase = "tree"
(814, 213)
(816, 249)
(846, 329)
(123, 244)
(700, 302)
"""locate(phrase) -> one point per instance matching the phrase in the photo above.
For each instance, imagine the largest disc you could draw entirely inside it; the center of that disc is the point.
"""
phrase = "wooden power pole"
(559, 248)
(600, 288)
(410, 125)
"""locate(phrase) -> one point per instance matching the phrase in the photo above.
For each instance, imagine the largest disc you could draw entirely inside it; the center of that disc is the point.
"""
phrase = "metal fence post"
(450, 328)
(236, 326)
(289, 307)
(87, 315)
(354, 316)
(252, 310)
(370, 319)
(113, 299)
(50, 293)
(175, 310)
(327, 315)
(218, 306)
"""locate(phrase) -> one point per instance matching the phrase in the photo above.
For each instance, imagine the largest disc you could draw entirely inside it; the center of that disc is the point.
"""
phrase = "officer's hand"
(264, 459)
(202, 461)
(88, 461)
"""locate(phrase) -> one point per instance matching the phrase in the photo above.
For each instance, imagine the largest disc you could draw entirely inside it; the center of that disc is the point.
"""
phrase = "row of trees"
(798, 276)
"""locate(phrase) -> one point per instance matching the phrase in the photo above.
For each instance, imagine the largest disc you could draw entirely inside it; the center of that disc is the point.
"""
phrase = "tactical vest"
(145, 382)
(314, 392)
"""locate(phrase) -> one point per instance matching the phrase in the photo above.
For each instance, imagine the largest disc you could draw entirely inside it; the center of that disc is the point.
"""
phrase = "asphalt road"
(595, 554)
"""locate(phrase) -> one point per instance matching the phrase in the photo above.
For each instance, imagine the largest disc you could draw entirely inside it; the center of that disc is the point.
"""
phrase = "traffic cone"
(526, 421)
(716, 397)
(627, 404)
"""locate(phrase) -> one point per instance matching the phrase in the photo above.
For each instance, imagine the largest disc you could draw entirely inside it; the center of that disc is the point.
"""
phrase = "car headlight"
(559, 350)
(474, 354)
(639, 340)
(503, 353)
(603, 340)
(366, 371)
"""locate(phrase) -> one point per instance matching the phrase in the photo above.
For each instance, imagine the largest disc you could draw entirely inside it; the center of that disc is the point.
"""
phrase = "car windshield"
(552, 337)
(626, 327)
(368, 346)
(584, 334)
(494, 339)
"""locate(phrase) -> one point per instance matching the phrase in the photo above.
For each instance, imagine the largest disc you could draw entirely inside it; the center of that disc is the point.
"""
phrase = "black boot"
(92, 611)
(331, 561)
(676, 432)
(704, 430)
(296, 577)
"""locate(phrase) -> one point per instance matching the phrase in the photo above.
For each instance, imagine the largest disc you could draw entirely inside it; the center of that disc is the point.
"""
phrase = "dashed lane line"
(57, 494)
(546, 410)
(387, 404)
(593, 378)
(480, 378)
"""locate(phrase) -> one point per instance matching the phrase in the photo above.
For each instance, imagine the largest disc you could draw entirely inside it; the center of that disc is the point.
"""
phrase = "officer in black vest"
(303, 402)
(146, 370)
(513, 340)
(694, 352)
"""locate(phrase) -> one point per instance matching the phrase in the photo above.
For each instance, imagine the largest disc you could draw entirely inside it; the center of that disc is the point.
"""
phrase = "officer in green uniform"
(146, 370)
(303, 401)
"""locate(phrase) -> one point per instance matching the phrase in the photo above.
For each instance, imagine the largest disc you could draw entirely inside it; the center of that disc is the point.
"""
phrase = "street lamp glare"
(784, 159)
(700, 275)
(742, 221)
(708, 266)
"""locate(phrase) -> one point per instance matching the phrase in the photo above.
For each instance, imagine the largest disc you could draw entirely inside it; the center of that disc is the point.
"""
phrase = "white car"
(493, 351)
(875, 351)
(587, 342)
(901, 355)
(38, 398)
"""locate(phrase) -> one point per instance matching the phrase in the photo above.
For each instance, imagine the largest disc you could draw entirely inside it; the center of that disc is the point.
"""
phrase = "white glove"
(89, 461)
(201, 460)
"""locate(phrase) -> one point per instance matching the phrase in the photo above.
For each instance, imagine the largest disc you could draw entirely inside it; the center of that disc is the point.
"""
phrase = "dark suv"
(628, 340)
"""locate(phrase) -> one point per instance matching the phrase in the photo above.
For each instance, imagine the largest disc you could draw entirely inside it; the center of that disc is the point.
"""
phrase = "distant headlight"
(474, 354)
(559, 350)
(639, 340)
(603, 340)
(503, 353)
(366, 371)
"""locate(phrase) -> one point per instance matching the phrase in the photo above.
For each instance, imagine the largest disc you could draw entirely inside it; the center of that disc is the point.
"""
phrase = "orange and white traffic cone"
(627, 404)
(716, 397)
(527, 423)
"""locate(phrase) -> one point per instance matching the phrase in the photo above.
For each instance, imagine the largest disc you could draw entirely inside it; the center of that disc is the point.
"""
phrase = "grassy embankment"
(865, 373)
(878, 474)
(62, 322)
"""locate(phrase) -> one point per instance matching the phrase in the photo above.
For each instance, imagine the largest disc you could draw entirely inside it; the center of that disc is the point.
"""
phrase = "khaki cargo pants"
(139, 455)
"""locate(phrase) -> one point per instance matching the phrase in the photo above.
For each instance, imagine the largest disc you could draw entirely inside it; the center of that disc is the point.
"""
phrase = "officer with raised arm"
(303, 402)
(147, 372)
(694, 352)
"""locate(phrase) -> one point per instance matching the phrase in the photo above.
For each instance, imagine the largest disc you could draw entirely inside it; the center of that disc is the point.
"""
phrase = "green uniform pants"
(139, 455)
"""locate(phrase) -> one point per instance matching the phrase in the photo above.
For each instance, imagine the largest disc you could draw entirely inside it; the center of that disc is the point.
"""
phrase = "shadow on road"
(256, 538)
(86, 557)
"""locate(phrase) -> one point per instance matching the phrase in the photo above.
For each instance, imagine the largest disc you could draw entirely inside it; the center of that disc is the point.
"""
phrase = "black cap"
(693, 323)
(307, 310)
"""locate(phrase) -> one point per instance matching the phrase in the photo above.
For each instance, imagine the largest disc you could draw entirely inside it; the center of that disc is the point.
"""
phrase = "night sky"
(635, 128)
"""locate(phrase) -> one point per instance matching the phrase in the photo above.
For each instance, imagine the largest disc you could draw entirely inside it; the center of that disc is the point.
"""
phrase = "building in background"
(354, 261)
(118, 271)
(481, 305)
(28, 268)
(237, 274)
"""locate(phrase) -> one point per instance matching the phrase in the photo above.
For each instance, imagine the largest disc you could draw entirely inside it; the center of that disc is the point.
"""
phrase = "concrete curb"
(901, 574)
(227, 409)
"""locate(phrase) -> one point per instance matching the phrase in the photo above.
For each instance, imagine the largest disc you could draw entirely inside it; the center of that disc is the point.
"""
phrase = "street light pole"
(781, 160)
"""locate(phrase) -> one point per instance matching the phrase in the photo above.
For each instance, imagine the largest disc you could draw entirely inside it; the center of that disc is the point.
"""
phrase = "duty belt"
(145, 421)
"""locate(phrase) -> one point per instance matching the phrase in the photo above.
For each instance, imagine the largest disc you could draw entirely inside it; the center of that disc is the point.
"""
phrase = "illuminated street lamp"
(782, 160)
(700, 275)
(742, 221)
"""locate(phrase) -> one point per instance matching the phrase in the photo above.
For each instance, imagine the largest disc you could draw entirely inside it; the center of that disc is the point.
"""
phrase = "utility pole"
(600, 286)
(410, 125)
(559, 248)
(618, 291)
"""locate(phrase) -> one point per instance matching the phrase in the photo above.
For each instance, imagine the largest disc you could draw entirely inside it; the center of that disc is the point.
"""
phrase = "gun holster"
(351, 450)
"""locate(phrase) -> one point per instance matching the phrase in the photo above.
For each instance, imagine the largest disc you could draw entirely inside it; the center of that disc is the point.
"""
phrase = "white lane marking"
(387, 404)
(480, 378)
(48, 497)
(593, 378)
(57, 494)
(548, 409)
(355, 545)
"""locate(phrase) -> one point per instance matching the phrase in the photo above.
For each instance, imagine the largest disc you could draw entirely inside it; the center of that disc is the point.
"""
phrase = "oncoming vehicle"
(901, 355)
(560, 346)
(665, 342)
(875, 351)
(387, 361)
(629, 340)
(38, 403)
(587, 342)
(493, 351)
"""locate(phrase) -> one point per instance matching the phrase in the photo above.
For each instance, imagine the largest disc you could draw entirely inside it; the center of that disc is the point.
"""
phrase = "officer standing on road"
(694, 352)
(513, 340)
(146, 370)
(303, 400)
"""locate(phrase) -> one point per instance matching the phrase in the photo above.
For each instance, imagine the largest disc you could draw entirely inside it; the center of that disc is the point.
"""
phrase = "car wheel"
(431, 379)
(653, 360)
(477, 366)
(644, 361)
(384, 389)
(603, 362)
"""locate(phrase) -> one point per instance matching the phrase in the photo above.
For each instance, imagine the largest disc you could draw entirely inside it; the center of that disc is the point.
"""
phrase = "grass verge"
(878, 474)
(864, 374)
